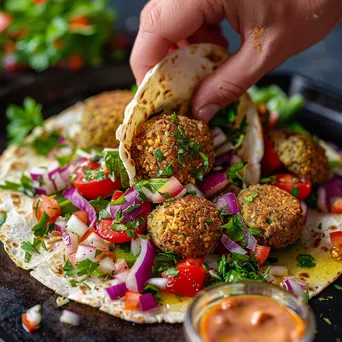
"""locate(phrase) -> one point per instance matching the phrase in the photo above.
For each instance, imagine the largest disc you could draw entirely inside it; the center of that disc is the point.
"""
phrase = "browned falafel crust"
(166, 136)
(276, 212)
(102, 116)
(190, 226)
(301, 155)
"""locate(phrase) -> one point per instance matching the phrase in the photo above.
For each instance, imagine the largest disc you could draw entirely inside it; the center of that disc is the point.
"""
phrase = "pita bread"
(169, 87)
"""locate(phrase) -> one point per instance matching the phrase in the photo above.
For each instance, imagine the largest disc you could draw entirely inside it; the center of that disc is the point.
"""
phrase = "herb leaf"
(40, 228)
(115, 166)
(159, 155)
(30, 246)
(171, 272)
(3, 217)
(25, 186)
(167, 171)
(249, 199)
(305, 260)
(294, 191)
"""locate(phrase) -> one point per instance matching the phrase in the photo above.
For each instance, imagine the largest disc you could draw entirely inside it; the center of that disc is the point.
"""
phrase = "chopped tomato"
(104, 230)
(336, 205)
(336, 238)
(48, 205)
(79, 21)
(38, 2)
(5, 21)
(261, 253)
(104, 253)
(117, 194)
(189, 280)
(94, 188)
(132, 300)
(30, 326)
(87, 233)
(72, 259)
(82, 216)
(270, 161)
(298, 186)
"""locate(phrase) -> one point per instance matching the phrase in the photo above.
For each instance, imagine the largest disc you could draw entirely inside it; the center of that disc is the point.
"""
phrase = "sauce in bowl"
(251, 318)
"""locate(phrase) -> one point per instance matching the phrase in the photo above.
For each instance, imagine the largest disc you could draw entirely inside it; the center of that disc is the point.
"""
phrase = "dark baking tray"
(322, 114)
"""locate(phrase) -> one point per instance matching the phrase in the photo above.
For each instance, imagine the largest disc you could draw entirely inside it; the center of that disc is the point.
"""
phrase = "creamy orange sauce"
(251, 318)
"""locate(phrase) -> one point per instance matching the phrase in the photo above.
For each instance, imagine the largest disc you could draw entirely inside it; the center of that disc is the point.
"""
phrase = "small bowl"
(213, 295)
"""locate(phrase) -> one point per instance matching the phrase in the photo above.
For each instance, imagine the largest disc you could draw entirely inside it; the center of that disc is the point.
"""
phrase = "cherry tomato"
(5, 21)
(28, 324)
(92, 189)
(261, 253)
(132, 300)
(336, 238)
(82, 216)
(38, 2)
(190, 278)
(117, 194)
(270, 161)
(48, 205)
(299, 187)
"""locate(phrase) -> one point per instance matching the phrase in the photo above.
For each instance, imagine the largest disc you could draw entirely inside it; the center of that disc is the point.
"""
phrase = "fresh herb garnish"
(30, 246)
(159, 155)
(166, 171)
(118, 217)
(265, 180)
(131, 208)
(3, 217)
(28, 257)
(305, 260)
(85, 267)
(118, 227)
(149, 288)
(322, 299)
(131, 233)
(294, 191)
(234, 175)
(225, 116)
(325, 319)
(115, 166)
(171, 272)
(73, 282)
(99, 204)
(164, 261)
(269, 220)
(254, 230)
(45, 142)
(40, 228)
(206, 160)
(104, 214)
(338, 287)
(234, 228)
(174, 117)
(249, 199)
(23, 119)
(94, 174)
(25, 186)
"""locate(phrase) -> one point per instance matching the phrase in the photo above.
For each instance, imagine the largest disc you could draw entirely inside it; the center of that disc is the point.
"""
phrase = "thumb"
(230, 81)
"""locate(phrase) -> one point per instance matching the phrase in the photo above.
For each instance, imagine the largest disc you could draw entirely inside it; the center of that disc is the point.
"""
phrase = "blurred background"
(37, 35)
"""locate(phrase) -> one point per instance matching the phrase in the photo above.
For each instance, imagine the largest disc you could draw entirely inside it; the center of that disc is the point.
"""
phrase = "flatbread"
(169, 87)
(316, 242)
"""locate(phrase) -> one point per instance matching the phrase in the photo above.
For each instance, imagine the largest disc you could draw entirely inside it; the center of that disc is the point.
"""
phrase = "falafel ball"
(190, 226)
(276, 212)
(102, 116)
(170, 145)
(301, 155)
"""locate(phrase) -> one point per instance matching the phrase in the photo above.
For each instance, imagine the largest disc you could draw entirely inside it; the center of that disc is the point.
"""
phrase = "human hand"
(271, 32)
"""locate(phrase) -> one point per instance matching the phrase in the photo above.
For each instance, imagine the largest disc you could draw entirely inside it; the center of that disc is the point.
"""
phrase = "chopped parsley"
(104, 214)
(206, 160)
(28, 257)
(225, 116)
(30, 246)
(25, 186)
(249, 199)
(3, 217)
(294, 191)
(23, 119)
(234, 228)
(40, 228)
(254, 230)
(305, 260)
(131, 233)
(115, 166)
(131, 208)
(94, 174)
(100, 203)
(159, 155)
(73, 282)
(322, 299)
(325, 319)
(167, 171)
(234, 175)
(163, 262)
(265, 180)
(44, 143)
(149, 288)
(118, 227)
(236, 267)
(171, 272)
(85, 267)
(174, 117)
(269, 220)
(338, 287)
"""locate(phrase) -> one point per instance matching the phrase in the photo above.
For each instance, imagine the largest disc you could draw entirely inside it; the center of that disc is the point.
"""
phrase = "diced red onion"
(141, 271)
(120, 265)
(211, 260)
(219, 137)
(322, 200)
(106, 265)
(214, 274)
(94, 240)
(279, 271)
(181, 194)
(301, 282)
(76, 226)
(37, 173)
(85, 252)
(331, 189)
(153, 197)
(294, 287)
(231, 245)
(121, 276)
(132, 198)
(147, 302)
(53, 168)
(213, 184)
(71, 242)
(80, 202)
(304, 210)
(60, 224)
(158, 282)
(116, 291)
(41, 191)
(70, 317)
(270, 278)
(135, 246)
(225, 148)
(227, 203)
(190, 188)
(235, 159)
(61, 139)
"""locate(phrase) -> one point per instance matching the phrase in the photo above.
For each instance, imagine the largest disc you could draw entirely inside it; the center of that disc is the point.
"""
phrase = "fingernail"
(208, 111)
